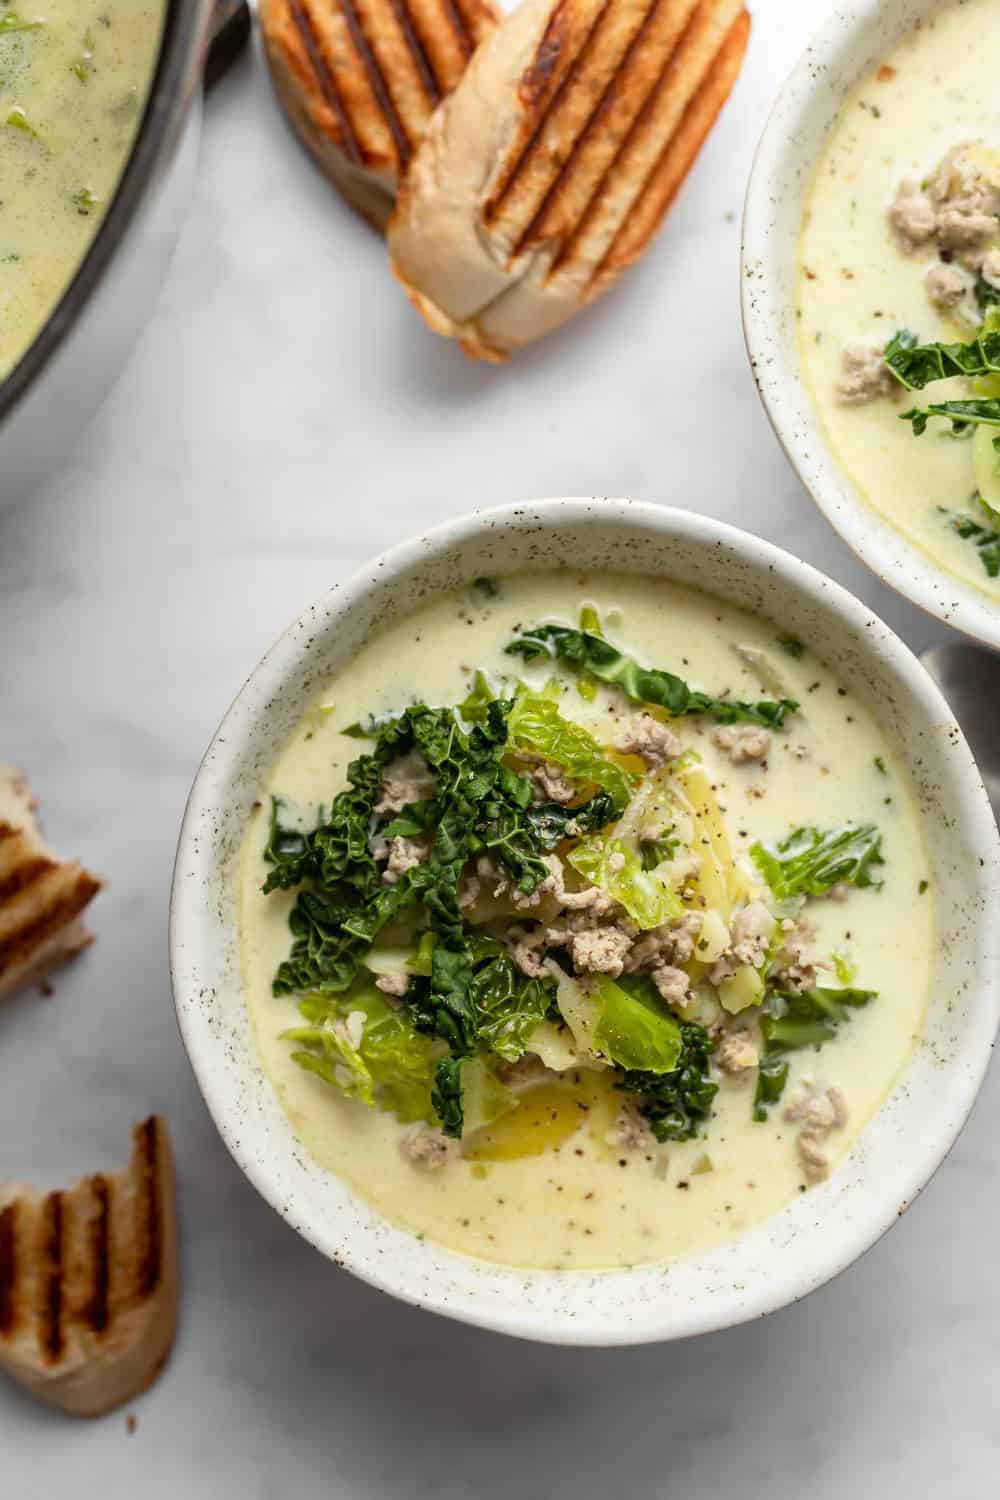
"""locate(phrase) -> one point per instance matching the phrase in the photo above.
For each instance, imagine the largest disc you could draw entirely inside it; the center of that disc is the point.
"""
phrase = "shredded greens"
(808, 862)
(916, 365)
(479, 805)
(591, 653)
(792, 1020)
(677, 1104)
(508, 1007)
(985, 540)
(963, 415)
(455, 909)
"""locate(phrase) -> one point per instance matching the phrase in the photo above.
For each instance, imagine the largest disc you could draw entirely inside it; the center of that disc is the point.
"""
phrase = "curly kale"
(446, 1096)
(677, 1104)
(594, 655)
(551, 822)
(916, 365)
(478, 805)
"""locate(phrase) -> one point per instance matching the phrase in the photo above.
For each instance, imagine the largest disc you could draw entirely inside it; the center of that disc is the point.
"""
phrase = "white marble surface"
(285, 417)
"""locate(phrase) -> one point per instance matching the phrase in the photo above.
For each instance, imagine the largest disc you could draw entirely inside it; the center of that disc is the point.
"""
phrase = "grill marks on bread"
(70, 1260)
(600, 107)
(50, 1332)
(94, 1310)
(364, 76)
(310, 61)
(41, 897)
(88, 1281)
(633, 88)
(8, 1268)
(713, 50)
(146, 1209)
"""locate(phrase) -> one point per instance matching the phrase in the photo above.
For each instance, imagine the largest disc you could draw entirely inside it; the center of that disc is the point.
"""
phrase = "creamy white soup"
(74, 75)
(685, 948)
(902, 232)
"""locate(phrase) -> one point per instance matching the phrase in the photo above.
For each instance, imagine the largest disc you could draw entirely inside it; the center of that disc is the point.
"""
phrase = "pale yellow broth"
(580, 1203)
(937, 88)
(73, 85)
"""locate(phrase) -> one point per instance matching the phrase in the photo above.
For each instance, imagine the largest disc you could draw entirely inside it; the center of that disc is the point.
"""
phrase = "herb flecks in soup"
(578, 936)
(899, 287)
(73, 82)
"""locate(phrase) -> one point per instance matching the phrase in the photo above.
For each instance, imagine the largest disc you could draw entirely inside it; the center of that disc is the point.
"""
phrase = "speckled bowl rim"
(577, 1307)
(848, 45)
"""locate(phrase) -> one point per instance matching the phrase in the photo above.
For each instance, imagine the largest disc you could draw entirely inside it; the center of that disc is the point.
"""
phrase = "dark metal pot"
(63, 377)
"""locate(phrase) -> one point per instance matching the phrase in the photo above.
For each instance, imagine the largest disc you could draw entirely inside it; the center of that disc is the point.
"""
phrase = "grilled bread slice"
(359, 80)
(88, 1282)
(41, 897)
(548, 170)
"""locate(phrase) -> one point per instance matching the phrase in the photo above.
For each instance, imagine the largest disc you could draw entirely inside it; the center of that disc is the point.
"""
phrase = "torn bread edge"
(89, 1281)
(42, 898)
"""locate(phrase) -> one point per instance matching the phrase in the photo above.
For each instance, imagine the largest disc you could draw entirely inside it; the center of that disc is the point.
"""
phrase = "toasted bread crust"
(89, 1282)
(361, 78)
(551, 166)
(664, 182)
(41, 897)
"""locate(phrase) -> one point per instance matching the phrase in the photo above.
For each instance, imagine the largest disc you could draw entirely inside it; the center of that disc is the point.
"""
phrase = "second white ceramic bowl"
(814, 1237)
(850, 45)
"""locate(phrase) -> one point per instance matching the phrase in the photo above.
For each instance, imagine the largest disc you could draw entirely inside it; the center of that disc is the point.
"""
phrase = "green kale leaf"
(985, 540)
(591, 653)
(791, 1020)
(916, 365)
(551, 822)
(507, 1006)
(772, 1076)
(678, 1103)
(446, 1096)
(808, 862)
(962, 414)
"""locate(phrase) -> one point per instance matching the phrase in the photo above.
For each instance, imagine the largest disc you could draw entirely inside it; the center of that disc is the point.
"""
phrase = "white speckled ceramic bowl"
(814, 1237)
(852, 42)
